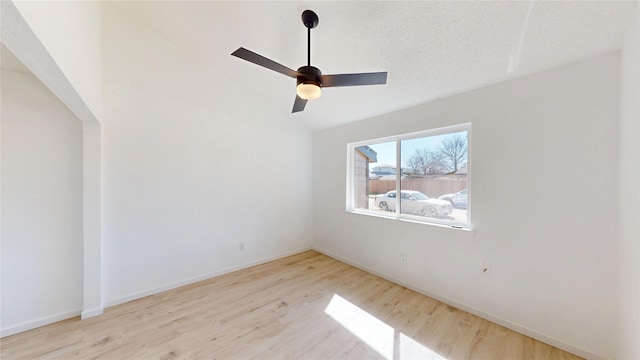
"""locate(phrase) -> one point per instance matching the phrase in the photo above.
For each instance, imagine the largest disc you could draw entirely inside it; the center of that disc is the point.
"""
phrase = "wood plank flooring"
(306, 306)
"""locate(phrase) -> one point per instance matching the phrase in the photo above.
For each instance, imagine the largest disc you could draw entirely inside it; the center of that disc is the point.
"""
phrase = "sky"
(387, 151)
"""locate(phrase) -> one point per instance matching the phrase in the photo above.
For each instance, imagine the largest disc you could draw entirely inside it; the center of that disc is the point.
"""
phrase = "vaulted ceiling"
(430, 49)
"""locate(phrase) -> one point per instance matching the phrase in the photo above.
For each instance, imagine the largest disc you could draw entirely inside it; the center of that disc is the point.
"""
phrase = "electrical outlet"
(403, 258)
(241, 247)
(486, 269)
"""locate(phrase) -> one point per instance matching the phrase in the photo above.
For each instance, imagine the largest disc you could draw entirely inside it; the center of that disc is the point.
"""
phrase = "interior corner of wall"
(89, 313)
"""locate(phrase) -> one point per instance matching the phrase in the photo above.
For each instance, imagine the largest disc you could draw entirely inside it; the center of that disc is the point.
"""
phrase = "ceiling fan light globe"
(308, 91)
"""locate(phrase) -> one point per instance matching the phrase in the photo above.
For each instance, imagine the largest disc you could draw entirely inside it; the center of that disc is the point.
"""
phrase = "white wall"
(41, 206)
(60, 42)
(629, 194)
(544, 200)
(188, 171)
(92, 302)
(70, 31)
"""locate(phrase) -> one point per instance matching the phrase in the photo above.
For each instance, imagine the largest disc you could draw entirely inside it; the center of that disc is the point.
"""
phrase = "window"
(430, 169)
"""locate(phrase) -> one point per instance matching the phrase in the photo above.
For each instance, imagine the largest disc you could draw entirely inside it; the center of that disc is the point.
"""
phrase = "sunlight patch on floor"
(375, 333)
(411, 349)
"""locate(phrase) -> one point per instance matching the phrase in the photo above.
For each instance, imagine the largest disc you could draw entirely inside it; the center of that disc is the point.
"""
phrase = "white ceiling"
(430, 49)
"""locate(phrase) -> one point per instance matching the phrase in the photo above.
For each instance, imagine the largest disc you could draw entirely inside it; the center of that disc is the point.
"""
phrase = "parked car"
(413, 202)
(458, 199)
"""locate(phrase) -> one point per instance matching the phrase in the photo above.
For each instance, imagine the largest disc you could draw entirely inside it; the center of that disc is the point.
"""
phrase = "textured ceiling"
(430, 49)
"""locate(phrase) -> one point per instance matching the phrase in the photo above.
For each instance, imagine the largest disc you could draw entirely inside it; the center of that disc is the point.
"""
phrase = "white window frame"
(350, 193)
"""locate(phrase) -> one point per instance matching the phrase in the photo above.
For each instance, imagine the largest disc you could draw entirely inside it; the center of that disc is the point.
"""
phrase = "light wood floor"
(306, 306)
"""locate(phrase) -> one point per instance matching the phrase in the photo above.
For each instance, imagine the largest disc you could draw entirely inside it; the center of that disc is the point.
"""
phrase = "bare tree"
(453, 151)
(415, 162)
(425, 162)
(432, 163)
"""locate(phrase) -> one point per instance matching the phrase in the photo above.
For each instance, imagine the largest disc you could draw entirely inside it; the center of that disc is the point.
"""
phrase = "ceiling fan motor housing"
(309, 75)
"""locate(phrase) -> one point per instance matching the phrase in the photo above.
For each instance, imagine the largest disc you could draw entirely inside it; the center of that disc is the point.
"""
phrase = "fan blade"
(250, 56)
(376, 78)
(299, 104)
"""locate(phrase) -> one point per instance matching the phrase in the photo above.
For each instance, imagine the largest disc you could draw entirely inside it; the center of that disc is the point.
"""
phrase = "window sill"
(410, 220)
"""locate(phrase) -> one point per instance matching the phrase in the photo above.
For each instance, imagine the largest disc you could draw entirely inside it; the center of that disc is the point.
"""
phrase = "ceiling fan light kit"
(308, 91)
(309, 79)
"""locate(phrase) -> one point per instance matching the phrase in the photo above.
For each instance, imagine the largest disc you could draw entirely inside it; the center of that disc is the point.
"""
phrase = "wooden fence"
(432, 186)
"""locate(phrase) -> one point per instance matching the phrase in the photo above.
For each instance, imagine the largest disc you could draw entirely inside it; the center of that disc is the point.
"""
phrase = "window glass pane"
(426, 182)
(374, 174)
(434, 177)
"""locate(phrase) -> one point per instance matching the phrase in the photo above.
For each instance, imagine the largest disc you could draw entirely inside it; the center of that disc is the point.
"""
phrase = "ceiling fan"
(309, 79)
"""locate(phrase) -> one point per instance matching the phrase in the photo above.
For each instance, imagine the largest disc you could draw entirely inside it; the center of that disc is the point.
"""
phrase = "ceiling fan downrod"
(308, 46)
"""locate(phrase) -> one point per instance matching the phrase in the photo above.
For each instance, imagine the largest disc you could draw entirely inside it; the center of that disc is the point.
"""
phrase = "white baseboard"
(89, 313)
(483, 314)
(177, 284)
(32, 324)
